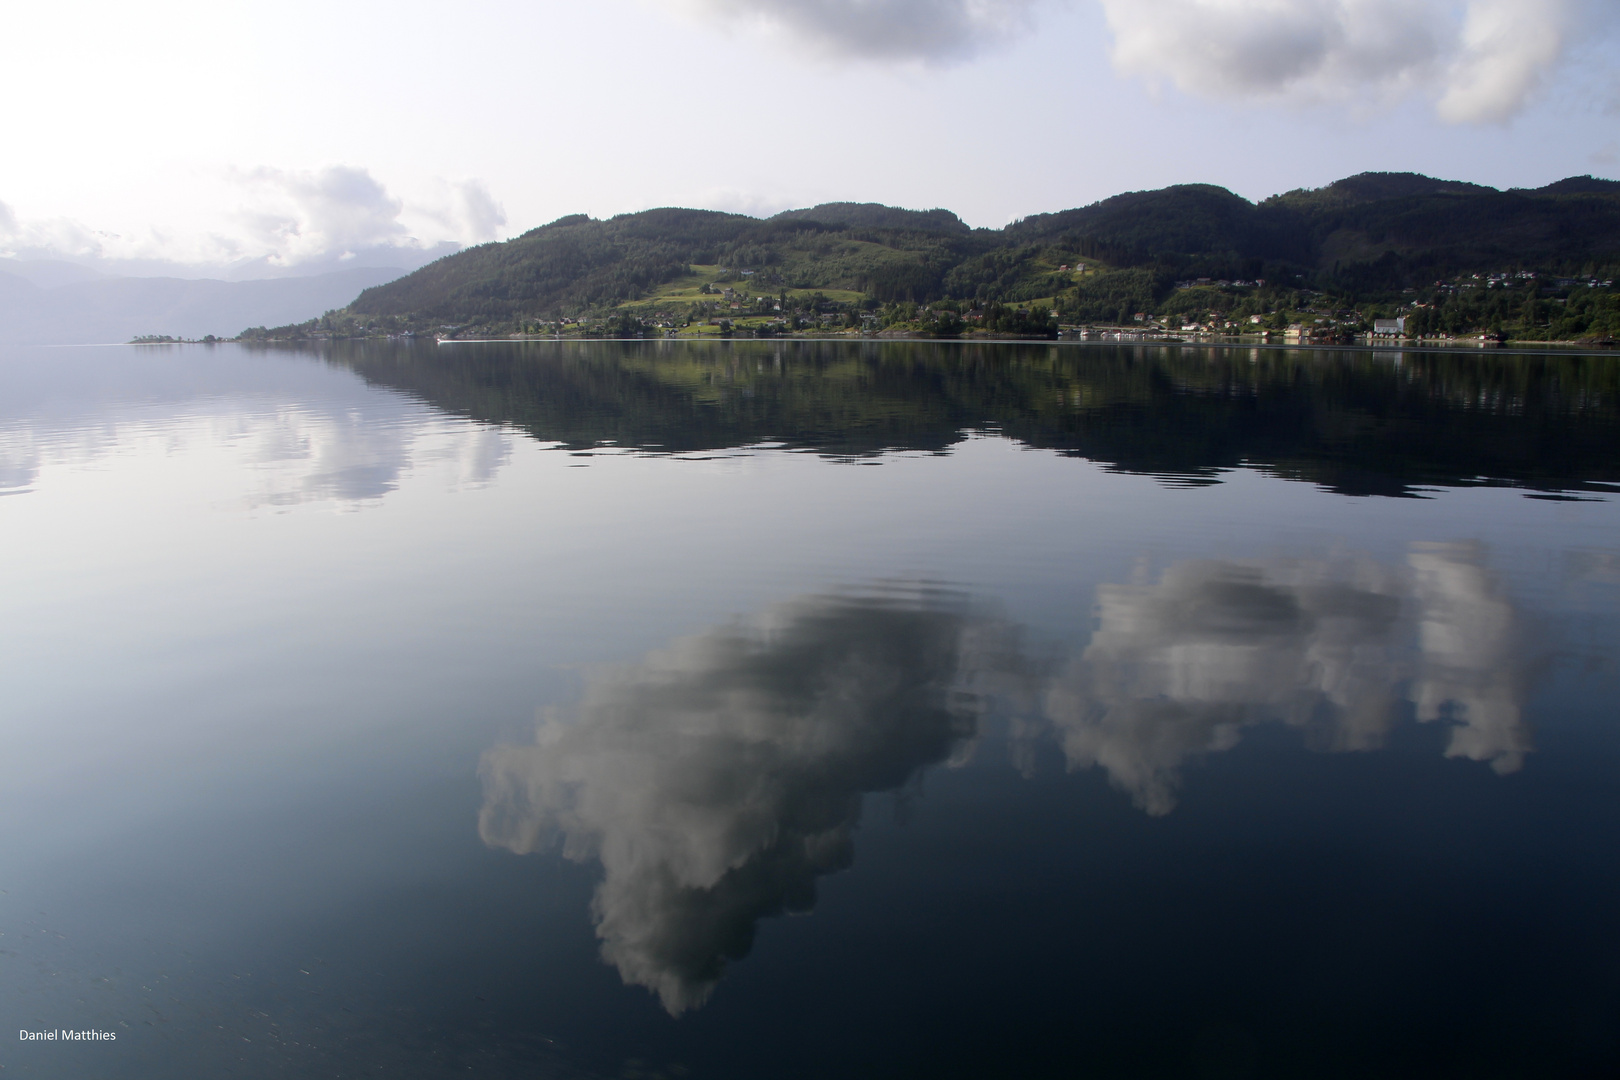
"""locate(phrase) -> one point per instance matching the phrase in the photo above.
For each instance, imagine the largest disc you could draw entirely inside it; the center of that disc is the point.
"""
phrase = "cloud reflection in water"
(717, 779)
(19, 463)
(1473, 669)
(290, 453)
(304, 456)
(1178, 668)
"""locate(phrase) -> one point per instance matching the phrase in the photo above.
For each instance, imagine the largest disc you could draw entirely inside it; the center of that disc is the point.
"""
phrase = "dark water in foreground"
(809, 710)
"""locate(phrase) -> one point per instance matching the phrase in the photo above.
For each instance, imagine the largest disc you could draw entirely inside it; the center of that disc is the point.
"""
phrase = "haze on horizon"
(259, 139)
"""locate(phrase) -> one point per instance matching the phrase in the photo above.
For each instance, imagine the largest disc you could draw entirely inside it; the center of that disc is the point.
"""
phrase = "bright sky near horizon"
(295, 133)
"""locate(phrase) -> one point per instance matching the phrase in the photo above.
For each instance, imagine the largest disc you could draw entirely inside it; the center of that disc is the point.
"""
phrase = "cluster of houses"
(1337, 327)
(1486, 281)
(1222, 283)
(1511, 280)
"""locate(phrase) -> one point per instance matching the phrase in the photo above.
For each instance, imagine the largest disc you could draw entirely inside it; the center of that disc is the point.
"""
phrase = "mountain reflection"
(1351, 420)
(717, 779)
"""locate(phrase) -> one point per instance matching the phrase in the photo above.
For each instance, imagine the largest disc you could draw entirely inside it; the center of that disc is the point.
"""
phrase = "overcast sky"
(298, 131)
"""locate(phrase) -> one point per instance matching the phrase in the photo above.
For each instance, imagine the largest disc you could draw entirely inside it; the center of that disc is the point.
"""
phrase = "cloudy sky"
(298, 134)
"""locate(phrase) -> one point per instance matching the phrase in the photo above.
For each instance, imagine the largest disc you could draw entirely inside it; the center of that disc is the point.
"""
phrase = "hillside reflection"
(1354, 421)
(718, 778)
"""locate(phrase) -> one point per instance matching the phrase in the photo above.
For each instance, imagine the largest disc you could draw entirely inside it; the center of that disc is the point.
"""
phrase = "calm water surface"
(809, 710)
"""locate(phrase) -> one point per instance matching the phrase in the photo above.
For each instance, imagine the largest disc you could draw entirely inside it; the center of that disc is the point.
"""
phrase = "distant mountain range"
(1369, 235)
(64, 304)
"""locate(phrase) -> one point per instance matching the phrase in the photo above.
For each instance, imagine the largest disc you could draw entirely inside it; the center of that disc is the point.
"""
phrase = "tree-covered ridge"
(577, 263)
(1443, 232)
(1197, 222)
(1374, 187)
(1335, 258)
(573, 262)
(878, 216)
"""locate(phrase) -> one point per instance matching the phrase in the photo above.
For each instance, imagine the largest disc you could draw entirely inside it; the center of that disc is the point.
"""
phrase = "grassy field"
(838, 267)
(677, 296)
(826, 267)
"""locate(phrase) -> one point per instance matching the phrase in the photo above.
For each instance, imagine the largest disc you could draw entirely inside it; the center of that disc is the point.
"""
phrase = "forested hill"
(1371, 237)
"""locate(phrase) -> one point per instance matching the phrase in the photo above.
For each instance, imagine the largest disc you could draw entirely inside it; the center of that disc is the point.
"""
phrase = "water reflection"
(305, 456)
(1179, 667)
(717, 779)
(1350, 420)
(287, 453)
(19, 463)
(1474, 661)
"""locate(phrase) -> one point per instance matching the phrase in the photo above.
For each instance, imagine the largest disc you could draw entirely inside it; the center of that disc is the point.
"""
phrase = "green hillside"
(1191, 223)
(1412, 231)
(1455, 258)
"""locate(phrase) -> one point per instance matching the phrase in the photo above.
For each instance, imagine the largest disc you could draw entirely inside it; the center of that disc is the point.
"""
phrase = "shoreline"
(1459, 346)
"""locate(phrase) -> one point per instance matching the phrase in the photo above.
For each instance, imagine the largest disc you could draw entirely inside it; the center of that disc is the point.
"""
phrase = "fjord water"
(809, 709)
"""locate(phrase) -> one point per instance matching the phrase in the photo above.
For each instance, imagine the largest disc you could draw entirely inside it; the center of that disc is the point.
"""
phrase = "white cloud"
(1480, 61)
(1235, 48)
(1507, 47)
(282, 220)
(929, 30)
(720, 777)
(50, 237)
(478, 212)
(299, 215)
(752, 203)
(466, 210)
(1482, 67)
